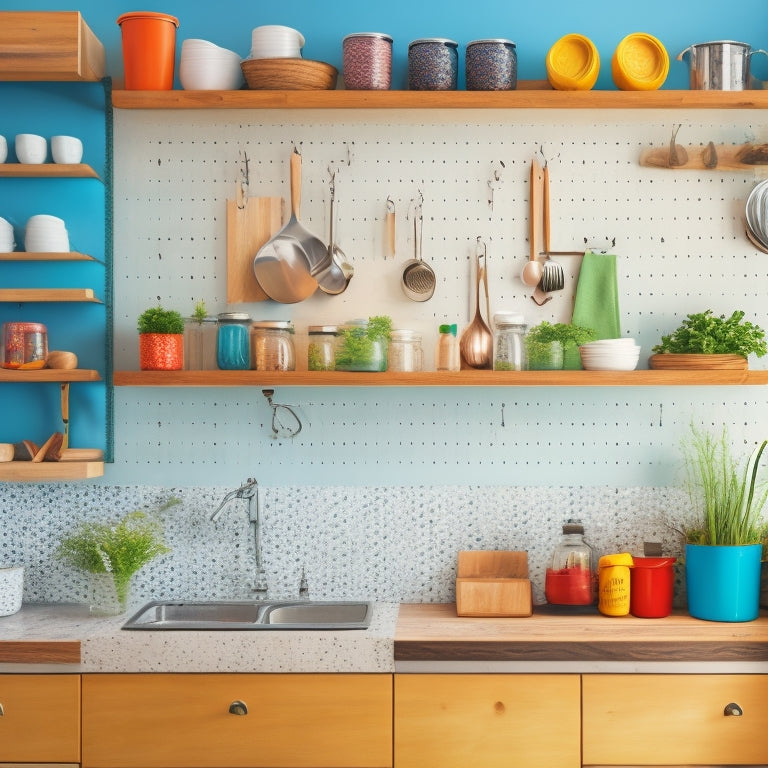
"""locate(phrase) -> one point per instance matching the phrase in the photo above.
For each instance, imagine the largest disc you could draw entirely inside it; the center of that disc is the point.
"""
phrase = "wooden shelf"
(522, 98)
(47, 471)
(21, 295)
(30, 256)
(459, 379)
(47, 171)
(47, 375)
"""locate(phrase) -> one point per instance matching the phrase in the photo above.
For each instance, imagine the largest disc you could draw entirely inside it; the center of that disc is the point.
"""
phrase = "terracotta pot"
(161, 351)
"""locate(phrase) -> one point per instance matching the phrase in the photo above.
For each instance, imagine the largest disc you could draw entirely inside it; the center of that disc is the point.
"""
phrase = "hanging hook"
(245, 180)
(494, 182)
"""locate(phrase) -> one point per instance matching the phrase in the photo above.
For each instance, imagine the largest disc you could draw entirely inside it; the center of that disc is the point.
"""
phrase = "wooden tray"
(675, 362)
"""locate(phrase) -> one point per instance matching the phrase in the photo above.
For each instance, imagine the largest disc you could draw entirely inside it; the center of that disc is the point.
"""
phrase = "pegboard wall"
(679, 237)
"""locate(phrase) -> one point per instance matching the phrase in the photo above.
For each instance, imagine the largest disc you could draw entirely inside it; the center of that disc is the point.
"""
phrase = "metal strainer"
(418, 280)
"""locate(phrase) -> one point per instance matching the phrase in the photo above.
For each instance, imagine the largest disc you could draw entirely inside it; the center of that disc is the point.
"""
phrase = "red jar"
(651, 587)
(25, 345)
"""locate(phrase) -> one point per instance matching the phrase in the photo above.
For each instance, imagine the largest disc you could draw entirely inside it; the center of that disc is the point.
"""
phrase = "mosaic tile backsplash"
(389, 544)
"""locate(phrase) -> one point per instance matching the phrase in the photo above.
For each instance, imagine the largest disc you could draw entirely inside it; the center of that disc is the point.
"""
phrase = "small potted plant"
(545, 343)
(705, 340)
(161, 340)
(724, 541)
(111, 552)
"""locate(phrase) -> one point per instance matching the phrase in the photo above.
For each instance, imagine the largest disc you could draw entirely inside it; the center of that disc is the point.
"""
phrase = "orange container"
(149, 50)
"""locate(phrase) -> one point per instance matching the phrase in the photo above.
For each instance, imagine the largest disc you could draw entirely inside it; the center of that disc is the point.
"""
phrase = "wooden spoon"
(532, 271)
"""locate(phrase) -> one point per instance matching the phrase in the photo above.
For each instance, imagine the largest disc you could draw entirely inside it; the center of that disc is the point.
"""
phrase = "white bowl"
(66, 149)
(31, 148)
(210, 76)
(615, 365)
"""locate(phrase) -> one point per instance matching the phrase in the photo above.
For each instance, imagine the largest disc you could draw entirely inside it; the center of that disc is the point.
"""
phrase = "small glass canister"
(25, 345)
(321, 350)
(272, 346)
(491, 65)
(509, 342)
(405, 352)
(367, 61)
(200, 343)
(433, 64)
(233, 349)
(357, 349)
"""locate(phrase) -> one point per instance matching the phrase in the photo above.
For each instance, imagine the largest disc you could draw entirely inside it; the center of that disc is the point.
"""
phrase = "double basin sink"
(280, 615)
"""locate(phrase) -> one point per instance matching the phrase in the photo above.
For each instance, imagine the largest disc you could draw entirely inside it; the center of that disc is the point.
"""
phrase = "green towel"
(596, 304)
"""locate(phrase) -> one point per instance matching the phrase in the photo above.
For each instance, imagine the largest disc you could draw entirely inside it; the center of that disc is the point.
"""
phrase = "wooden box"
(493, 583)
(49, 45)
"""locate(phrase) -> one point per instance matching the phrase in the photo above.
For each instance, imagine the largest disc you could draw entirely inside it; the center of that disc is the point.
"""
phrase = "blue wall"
(533, 26)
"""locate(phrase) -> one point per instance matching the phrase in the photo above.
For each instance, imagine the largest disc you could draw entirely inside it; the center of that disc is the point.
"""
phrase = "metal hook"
(279, 428)
(245, 178)
(390, 205)
(494, 182)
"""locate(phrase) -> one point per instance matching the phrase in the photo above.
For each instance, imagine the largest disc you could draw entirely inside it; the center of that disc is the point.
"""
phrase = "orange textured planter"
(161, 351)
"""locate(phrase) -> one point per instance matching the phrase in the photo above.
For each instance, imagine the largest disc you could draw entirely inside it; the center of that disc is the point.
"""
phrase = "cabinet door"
(40, 719)
(167, 720)
(513, 721)
(675, 719)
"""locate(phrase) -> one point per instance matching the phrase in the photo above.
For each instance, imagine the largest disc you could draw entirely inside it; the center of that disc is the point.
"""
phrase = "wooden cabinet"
(515, 721)
(194, 720)
(675, 720)
(39, 718)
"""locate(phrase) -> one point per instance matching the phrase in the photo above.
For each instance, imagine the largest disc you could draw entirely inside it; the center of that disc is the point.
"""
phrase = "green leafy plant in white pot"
(724, 544)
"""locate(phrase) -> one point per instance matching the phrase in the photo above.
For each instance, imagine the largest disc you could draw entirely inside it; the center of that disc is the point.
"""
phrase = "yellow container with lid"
(640, 63)
(573, 63)
(613, 584)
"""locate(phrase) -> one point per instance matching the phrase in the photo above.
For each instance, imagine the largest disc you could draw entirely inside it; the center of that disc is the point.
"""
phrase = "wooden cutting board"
(493, 583)
(250, 224)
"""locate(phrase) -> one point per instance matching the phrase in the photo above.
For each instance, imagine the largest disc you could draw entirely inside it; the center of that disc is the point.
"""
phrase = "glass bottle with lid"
(233, 349)
(447, 354)
(200, 343)
(321, 350)
(272, 346)
(405, 352)
(509, 342)
(571, 577)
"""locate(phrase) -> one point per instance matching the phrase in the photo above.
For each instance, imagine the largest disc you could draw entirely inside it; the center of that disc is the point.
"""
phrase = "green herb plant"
(540, 338)
(708, 334)
(120, 548)
(359, 347)
(159, 320)
(728, 500)
(200, 312)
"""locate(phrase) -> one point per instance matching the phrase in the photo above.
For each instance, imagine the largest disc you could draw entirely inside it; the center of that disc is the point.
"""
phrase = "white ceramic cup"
(3, 149)
(66, 149)
(31, 148)
(7, 243)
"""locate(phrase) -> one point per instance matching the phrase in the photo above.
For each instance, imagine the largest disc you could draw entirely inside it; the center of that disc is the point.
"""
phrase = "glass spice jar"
(25, 345)
(200, 343)
(321, 350)
(509, 342)
(447, 353)
(405, 352)
(272, 346)
(233, 349)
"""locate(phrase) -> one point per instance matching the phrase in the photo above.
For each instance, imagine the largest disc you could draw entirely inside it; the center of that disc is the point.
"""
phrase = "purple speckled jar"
(367, 61)
(491, 65)
(433, 64)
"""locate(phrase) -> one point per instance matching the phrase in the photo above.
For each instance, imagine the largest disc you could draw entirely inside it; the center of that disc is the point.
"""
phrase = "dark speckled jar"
(433, 64)
(491, 65)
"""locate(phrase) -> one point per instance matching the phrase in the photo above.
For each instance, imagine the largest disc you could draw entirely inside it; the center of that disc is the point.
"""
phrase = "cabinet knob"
(733, 710)
(238, 708)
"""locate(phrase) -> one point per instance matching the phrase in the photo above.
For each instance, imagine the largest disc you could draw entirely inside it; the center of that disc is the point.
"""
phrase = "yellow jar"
(613, 584)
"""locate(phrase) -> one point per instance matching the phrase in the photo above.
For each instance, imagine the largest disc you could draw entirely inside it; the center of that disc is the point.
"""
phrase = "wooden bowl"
(679, 362)
(289, 75)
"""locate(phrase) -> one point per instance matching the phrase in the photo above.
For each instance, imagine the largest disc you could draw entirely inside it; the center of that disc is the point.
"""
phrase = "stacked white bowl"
(46, 234)
(205, 66)
(610, 355)
(7, 243)
(273, 41)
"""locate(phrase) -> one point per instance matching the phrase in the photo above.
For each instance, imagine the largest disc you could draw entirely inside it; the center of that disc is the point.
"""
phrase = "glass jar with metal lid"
(233, 350)
(405, 352)
(321, 350)
(360, 348)
(367, 61)
(509, 342)
(491, 65)
(433, 64)
(272, 346)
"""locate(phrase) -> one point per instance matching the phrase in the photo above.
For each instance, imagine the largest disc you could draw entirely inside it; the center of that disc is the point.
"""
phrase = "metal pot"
(721, 65)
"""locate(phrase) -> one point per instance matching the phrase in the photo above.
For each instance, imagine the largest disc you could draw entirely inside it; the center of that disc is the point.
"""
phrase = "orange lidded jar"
(613, 584)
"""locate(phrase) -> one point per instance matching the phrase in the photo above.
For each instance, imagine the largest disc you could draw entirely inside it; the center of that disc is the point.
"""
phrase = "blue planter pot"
(723, 583)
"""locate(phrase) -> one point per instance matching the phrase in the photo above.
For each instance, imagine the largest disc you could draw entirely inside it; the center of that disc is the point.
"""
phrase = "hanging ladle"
(418, 278)
(476, 343)
(335, 278)
(533, 270)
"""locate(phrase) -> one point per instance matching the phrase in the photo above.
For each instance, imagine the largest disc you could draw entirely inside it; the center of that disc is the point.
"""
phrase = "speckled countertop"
(45, 637)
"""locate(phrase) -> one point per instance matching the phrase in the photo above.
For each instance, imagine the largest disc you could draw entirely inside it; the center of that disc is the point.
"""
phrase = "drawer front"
(515, 721)
(675, 719)
(40, 720)
(167, 720)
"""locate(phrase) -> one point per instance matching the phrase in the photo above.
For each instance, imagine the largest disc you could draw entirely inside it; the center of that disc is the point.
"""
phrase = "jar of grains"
(272, 346)
(405, 352)
(321, 355)
(433, 64)
(367, 61)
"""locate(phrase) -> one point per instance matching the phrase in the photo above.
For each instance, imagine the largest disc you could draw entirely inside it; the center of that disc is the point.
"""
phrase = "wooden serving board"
(250, 224)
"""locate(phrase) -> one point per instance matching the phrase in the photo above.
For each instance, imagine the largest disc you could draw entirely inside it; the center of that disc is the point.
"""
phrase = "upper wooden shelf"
(37, 256)
(522, 98)
(22, 295)
(431, 379)
(52, 375)
(47, 171)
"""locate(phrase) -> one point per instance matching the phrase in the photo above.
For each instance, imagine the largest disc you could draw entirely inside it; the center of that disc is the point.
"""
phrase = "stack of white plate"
(46, 234)
(610, 355)
(7, 243)
(274, 41)
(757, 216)
(204, 66)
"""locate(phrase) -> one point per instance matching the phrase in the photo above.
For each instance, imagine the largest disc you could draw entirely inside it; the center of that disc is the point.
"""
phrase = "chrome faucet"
(249, 491)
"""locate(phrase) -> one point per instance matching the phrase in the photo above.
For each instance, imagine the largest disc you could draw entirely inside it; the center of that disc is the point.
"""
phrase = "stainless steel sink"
(275, 615)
